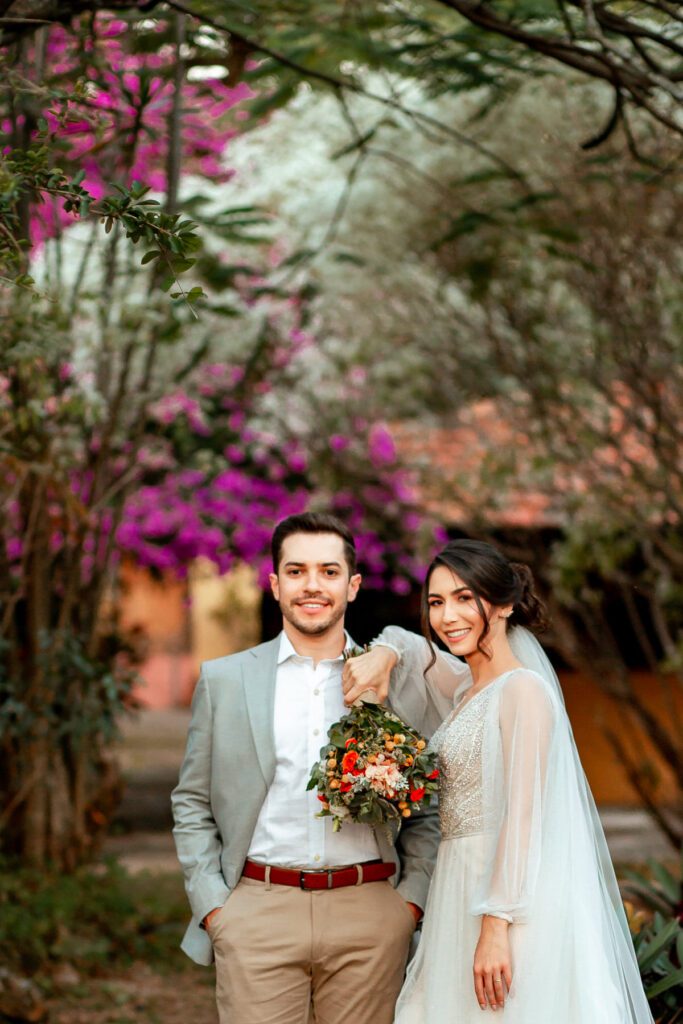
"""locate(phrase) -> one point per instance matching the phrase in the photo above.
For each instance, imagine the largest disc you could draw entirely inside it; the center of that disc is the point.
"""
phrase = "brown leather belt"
(327, 878)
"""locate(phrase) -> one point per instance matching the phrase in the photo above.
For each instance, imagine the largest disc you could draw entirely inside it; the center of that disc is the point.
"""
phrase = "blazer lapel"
(258, 680)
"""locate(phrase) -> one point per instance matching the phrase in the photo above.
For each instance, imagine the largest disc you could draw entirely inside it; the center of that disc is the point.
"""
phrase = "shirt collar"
(287, 651)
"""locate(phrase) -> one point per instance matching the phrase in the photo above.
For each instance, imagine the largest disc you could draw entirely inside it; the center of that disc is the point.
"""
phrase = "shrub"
(658, 936)
(96, 919)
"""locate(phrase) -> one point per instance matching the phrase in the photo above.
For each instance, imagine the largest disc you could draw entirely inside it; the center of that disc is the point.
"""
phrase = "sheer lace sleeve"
(423, 700)
(526, 721)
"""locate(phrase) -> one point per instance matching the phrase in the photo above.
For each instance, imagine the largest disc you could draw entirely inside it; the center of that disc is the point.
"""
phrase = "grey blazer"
(228, 767)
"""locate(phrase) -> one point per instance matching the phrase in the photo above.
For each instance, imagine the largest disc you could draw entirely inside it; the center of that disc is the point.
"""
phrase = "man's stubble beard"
(313, 629)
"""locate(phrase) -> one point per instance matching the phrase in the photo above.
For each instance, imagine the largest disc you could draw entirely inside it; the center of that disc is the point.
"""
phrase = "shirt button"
(316, 693)
(316, 732)
(317, 857)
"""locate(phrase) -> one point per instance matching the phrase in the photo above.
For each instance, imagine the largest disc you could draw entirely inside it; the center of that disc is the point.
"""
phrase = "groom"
(296, 916)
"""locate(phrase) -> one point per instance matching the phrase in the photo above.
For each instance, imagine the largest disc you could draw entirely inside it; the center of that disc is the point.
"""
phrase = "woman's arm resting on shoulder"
(422, 700)
(371, 671)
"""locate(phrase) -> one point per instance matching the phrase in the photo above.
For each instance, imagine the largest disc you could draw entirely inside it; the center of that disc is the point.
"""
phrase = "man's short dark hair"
(313, 522)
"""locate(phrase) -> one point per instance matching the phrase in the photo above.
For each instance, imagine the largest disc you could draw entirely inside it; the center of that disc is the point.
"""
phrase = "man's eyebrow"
(325, 565)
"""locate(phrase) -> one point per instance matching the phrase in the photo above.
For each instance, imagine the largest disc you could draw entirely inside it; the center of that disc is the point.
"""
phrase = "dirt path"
(139, 995)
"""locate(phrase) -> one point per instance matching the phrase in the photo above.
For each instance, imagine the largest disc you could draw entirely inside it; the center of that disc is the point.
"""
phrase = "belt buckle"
(320, 871)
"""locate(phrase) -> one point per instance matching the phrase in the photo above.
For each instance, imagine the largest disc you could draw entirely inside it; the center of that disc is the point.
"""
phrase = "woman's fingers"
(490, 991)
(498, 988)
(479, 988)
(491, 985)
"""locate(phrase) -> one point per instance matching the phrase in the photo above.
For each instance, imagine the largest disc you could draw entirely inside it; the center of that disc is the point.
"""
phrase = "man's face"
(312, 584)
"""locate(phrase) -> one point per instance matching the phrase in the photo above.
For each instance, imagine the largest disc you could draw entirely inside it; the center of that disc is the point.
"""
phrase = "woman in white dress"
(524, 916)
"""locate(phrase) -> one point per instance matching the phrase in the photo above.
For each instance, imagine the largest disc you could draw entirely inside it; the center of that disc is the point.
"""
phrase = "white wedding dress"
(521, 840)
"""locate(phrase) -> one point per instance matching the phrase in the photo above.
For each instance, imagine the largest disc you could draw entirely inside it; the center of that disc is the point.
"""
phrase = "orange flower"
(322, 798)
(417, 794)
(349, 760)
(345, 787)
(353, 741)
(434, 774)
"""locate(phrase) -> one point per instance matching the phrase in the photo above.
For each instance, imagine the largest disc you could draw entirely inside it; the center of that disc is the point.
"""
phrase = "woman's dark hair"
(313, 522)
(492, 576)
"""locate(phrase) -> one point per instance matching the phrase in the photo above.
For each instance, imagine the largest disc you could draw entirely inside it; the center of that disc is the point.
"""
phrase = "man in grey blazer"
(299, 919)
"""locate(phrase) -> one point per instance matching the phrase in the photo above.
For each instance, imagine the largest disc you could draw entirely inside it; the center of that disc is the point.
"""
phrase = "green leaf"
(300, 256)
(669, 884)
(350, 257)
(672, 980)
(153, 254)
(658, 944)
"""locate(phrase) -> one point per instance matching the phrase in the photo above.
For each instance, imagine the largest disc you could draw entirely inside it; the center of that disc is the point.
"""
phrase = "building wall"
(177, 624)
(591, 711)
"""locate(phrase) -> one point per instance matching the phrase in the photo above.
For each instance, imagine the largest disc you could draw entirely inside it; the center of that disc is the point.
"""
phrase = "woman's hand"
(369, 671)
(492, 965)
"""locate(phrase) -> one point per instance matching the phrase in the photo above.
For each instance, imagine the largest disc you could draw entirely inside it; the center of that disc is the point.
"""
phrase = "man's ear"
(354, 586)
(274, 585)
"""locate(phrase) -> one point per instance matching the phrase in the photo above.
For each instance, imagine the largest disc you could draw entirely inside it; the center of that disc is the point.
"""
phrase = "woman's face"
(454, 615)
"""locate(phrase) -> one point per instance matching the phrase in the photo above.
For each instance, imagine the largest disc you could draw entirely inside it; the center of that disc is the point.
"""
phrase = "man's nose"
(312, 585)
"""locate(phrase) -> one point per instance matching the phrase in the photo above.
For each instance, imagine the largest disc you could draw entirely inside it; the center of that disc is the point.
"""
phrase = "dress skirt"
(439, 985)
(560, 969)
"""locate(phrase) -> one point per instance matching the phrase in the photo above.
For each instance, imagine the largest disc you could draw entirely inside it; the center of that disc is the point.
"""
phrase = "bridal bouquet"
(373, 769)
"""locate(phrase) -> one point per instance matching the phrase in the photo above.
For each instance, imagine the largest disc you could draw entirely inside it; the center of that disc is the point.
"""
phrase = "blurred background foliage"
(420, 261)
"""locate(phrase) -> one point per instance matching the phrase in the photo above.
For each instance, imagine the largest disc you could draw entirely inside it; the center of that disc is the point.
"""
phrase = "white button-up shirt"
(308, 699)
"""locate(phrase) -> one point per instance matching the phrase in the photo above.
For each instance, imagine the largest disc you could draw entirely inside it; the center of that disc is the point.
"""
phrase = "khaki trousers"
(286, 956)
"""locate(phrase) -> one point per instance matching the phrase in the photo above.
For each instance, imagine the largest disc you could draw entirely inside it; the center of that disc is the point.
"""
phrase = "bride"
(524, 915)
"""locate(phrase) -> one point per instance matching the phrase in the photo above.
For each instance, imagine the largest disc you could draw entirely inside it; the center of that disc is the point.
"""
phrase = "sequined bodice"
(458, 745)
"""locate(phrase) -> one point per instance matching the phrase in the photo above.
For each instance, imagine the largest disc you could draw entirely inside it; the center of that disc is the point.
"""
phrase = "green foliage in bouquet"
(374, 768)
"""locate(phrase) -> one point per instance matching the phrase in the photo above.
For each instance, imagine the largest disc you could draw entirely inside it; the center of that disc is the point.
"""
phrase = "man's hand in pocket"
(209, 917)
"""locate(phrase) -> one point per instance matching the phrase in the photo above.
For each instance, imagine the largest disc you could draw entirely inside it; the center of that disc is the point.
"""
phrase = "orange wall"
(154, 613)
(590, 710)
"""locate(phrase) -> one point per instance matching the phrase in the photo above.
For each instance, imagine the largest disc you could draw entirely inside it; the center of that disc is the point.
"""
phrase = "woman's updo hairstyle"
(491, 576)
